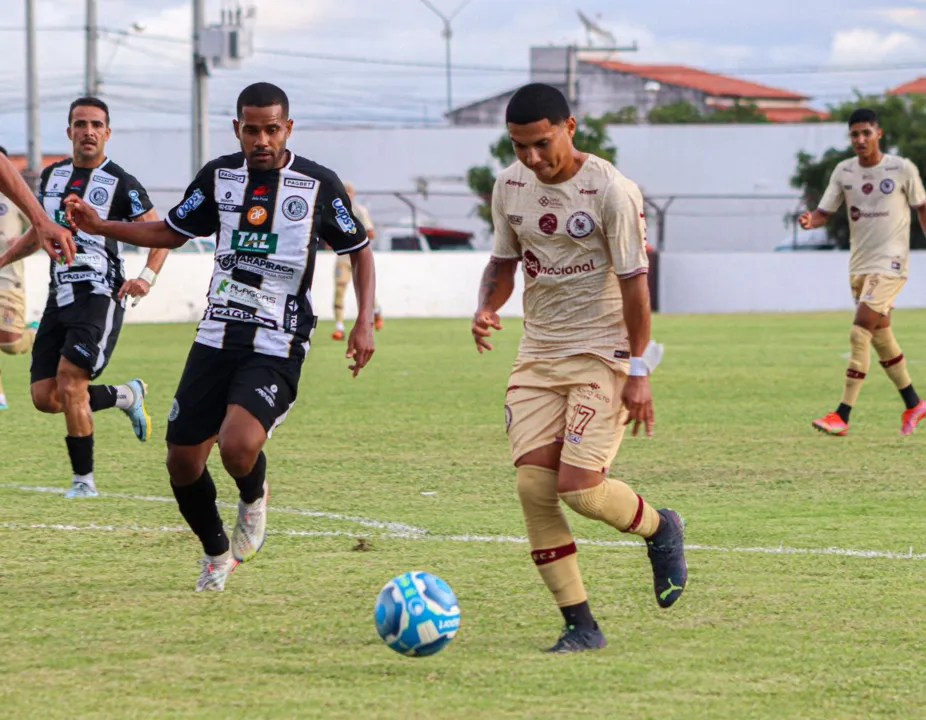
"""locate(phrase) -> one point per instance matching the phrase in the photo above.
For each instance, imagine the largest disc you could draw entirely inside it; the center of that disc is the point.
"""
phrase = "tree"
(904, 124)
(677, 113)
(591, 137)
(684, 112)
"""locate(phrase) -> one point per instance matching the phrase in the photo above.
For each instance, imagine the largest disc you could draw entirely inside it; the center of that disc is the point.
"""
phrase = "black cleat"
(666, 550)
(577, 639)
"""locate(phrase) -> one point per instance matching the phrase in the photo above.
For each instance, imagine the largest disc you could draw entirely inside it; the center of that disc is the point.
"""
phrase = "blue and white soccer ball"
(417, 614)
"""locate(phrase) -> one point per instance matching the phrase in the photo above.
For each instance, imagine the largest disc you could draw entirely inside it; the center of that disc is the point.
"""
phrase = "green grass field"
(99, 618)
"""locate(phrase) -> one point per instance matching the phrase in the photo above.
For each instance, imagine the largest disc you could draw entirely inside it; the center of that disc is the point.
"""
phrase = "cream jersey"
(363, 215)
(574, 240)
(12, 224)
(879, 199)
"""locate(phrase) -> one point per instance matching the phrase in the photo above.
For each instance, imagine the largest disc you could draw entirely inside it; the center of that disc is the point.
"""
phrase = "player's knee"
(72, 389)
(10, 345)
(239, 457)
(45, 400)
(860, 337)
(183, 467)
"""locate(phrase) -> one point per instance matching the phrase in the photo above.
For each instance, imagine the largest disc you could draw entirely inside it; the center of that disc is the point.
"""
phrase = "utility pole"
(33, 131)
(92, 79)
(200, 90)
(447, 34)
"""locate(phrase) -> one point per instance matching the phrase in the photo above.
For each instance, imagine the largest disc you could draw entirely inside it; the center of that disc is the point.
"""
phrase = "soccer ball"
(417, 614)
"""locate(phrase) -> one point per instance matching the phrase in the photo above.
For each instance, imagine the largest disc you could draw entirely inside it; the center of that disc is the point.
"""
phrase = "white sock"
(86, 480)
(125, 398)
(339, 326)
(2, 399)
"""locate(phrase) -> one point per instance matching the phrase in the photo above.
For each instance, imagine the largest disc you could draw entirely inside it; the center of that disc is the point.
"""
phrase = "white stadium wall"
(445, 285)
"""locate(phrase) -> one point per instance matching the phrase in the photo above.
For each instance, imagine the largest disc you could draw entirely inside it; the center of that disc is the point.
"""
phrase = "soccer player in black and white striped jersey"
(86, 302)
(268, 209)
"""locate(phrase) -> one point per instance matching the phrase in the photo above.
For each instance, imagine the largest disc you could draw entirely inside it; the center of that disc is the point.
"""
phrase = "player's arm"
(625, 225)
(139, 287)
(56, 240)
(829, 204)
(916, 195)
(21, 247)
(140, 234)
(497, 282)
(345, 234)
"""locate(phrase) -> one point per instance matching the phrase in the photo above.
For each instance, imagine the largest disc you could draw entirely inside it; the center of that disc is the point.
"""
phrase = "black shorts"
(85, 332)
(213, 379)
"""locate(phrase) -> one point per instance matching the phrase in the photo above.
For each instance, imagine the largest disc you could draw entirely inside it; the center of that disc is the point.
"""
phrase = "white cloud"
(866, 47)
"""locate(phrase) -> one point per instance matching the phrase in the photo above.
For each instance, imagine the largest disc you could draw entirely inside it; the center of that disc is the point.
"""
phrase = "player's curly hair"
(263, 94)
(536, 102)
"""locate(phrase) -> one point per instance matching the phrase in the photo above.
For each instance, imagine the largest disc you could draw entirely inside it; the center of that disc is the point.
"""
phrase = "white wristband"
(148, 275)
(638, 367)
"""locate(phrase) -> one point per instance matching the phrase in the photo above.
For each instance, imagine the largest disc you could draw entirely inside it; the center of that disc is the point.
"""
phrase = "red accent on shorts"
(892, 363)
(856, 375)
(543, 557)
(513, 387)
(638, 518)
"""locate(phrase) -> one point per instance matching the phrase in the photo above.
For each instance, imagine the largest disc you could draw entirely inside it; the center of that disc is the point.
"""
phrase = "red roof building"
(916, 87)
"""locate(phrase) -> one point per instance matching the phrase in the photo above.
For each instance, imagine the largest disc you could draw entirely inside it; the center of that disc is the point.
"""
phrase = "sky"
(823, 48)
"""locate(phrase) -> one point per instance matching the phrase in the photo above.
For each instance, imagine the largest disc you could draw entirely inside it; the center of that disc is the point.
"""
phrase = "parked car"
(425, 239)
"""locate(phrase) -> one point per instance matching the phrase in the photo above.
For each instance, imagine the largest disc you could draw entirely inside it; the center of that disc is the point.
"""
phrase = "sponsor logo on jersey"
(583, 191)
(135, 200)
(257, 215)
(98, 196)
(70, 276)
(103, 180)
(239, 292)
(228, 175)
(887, 186)
(258, 243)
(255, 264)
(856, 214)
(533, 267)
(341, 214)
(61, 217)
(580, 225)
(77, 184)
(550, 202)
(224, 207)
(548, 224)
(4, 209)
(261, 194)
(85, 260)
(229, 314)
(515, 183)
(191, 203)
(61, 172)
(291, 315)
(295, 208)
(867, 188)
(296, 183)
(515, 219)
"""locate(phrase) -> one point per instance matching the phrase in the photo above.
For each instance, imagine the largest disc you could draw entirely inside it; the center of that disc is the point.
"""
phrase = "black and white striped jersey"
(267, 226)
(115, 195)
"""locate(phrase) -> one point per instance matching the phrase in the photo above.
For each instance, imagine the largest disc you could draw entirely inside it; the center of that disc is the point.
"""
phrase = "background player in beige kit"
(576, 225)
(879, 190)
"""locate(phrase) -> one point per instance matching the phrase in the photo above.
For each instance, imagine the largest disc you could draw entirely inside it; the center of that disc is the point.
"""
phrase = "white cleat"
(251, 529)
(215, 572)
(81, 490)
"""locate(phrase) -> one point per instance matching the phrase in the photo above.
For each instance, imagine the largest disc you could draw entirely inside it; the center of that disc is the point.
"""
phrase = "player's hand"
(360, 346)
(81, 216)
(137, 288)
(638, 399)
(483, 323)
(56, 240)
(806, 220)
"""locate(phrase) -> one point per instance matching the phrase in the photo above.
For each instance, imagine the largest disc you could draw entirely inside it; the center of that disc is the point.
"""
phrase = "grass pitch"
(99, 618)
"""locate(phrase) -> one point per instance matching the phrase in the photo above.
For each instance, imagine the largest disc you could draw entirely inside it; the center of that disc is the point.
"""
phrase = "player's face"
(88, 133)
(866, 138)
(545, 148)
(263, 132)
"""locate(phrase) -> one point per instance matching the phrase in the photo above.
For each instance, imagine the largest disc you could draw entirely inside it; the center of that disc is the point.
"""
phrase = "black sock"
(910, 398)
(197, 505)
(579, 616)
(843, 411)
(251, 486)
(80, 450)
(102, 397)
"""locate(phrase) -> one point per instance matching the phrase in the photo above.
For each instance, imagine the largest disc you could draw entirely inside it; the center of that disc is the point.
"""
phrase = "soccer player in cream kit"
(577, 227)
(879, 190)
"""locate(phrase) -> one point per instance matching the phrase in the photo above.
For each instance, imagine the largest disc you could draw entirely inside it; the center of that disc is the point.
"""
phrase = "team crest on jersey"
(4, 209)
(580, 225)
(98, 196)
(137, 207)
(887, 186)
(295, 208)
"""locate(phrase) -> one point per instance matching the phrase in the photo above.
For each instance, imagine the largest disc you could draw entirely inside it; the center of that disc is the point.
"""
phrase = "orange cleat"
(378, 321)
(911, 418)
(337, 335)
(832, 424)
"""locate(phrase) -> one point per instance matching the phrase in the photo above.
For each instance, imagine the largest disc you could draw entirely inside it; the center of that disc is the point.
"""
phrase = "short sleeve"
(505, 244)
(197, 215)
(135, 200)
(625, 227)
(833, 197)
(338, 225)
(916, 195)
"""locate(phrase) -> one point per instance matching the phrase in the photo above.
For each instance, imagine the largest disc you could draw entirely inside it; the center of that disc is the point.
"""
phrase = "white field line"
(419, 534)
